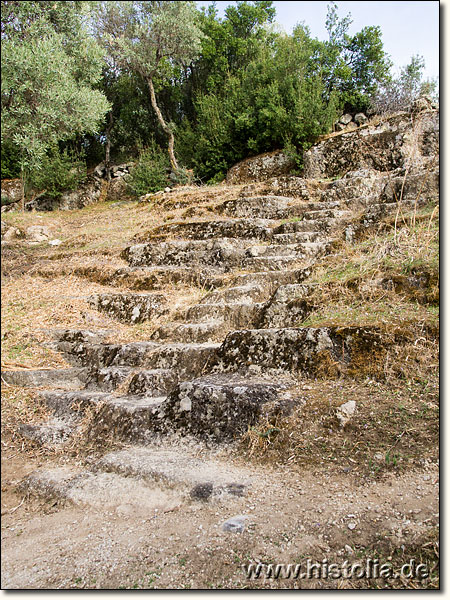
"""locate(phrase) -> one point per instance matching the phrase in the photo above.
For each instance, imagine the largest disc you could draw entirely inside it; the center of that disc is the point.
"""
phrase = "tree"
(399, 92)
(147, 38)
(353, 65)
(277, 101)
(50, 65)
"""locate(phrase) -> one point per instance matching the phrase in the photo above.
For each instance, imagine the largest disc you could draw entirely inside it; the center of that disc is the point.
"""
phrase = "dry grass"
(33, 305)
(20, 406)
(395, 427)
(391, 278)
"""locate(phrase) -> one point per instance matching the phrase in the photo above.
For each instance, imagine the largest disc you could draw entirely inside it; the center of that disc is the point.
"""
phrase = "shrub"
(59, 172)
(10, 161)
(150, 173)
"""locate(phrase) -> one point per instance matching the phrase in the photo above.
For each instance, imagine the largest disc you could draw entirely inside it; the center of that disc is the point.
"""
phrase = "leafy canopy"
(50, 65)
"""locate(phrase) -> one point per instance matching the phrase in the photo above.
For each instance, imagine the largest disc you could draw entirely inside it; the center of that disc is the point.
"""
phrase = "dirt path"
(293, 515)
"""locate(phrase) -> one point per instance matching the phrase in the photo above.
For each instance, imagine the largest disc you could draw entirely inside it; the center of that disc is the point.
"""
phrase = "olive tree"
(148, 38)
(50, 67)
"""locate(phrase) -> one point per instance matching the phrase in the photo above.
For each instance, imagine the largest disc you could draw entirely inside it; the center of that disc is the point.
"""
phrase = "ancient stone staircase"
(219, 365)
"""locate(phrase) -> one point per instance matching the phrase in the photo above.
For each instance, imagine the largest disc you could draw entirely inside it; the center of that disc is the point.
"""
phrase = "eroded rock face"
(130, 308)
(87, 193)
(306, 350)
(399, 141)
(261, 167)
(12, 188)
(117, 190)
(222, 406)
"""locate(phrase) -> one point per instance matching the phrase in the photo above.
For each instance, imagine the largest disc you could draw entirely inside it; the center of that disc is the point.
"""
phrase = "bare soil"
(294, 514)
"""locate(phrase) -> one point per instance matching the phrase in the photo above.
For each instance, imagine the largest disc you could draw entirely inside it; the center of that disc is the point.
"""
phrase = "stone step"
(305, 205)
(53, 433)
(150, 382)
(276, 207)
(300, 224)
(331, 213)
(70, 406)
(270, 279)
(218, 253)
(236, 294)
(188, 359)
(286, 308)
(204, 230)
(195, 333)
(103, 491)
(129, 307)
(67, 379)
(132, 418)
(274, 263)
(306, 350)
(265, 207)
(301, 249)
(219, 407)
(222, 406)
(97, 355)
(175, 469)
(287, 185)
(299, 237)
(236, 315)
(144, 481)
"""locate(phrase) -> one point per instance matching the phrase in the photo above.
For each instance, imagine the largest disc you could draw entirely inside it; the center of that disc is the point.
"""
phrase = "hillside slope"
(268, 350)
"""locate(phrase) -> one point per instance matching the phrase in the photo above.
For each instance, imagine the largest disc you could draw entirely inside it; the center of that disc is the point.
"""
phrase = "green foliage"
(148, 38)
(276, 101)
(10, 161)
(6, 200)
(150, 173)
(59, 172)
(354, 66)
(50, 65)
(225, 88)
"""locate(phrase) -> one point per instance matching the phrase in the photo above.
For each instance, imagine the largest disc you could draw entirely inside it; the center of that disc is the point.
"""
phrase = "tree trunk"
(163, 124)
(108, 147)
(22, 177)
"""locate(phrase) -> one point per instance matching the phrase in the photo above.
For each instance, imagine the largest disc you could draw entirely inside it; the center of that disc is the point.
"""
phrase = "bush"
(277, 101)
(10, 161)
(59, 172)
(150, 173)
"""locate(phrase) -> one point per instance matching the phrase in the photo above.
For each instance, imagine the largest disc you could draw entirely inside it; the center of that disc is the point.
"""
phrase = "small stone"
(167, 190)
(235, 524)
(38, 233)
(378, 456)
(348, 549)
(350, 234)
(345, 119)
(55, 242)
(351, 525)
(345, 412)
(426, 477)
